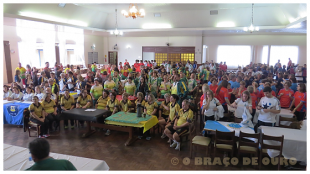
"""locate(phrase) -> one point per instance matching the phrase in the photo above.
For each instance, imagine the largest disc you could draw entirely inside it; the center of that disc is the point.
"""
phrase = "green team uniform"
(96, 91)
(52, 164)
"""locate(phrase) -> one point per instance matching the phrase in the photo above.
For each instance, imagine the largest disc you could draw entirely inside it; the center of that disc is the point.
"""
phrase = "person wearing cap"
(268, 107)
(96, 91)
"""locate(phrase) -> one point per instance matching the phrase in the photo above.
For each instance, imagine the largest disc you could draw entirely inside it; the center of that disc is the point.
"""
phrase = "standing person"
(18, 80)
(300, 102)
(28, 69)
(39, 150)
(150, 108)
(120, 66)
(142, 87)
(210, 104)
(286, 95)
(222, 95)
(126, 63)
(42, 78)
(80, 84)
(153, 83)
(34, 76)
(268, 107)
(137, 66)
(181, 88)
(213, 85)
(304, 73)
(117, 79)
(168, 67)
(254, 100)
(289, 64)
(241, 103)
(37, 116)
(96, 91)
(22, 71)
(57, 70)
(67, 102)
(62, 82)
(47, 70)
(94, 67)
(192, 86)
(130, 87)
(195, 66)
(71, 81)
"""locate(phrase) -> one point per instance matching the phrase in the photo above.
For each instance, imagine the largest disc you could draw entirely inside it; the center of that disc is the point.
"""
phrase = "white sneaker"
(173, 144)
(163, 136)
(108, 132)
(178, 146)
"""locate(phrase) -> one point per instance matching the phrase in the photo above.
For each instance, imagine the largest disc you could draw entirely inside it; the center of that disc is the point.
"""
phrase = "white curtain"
(234, 55)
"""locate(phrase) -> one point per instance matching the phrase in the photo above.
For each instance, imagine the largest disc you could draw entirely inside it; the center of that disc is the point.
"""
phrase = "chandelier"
(251, 28)
(116, 32)
(133, 12)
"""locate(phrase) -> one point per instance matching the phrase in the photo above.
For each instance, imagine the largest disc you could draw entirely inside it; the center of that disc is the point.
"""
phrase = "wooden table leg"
(89, 131)
(131, 138)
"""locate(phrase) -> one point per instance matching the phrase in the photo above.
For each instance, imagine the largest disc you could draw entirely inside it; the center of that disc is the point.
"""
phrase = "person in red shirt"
(230, 91)
(300, 102)
(109, 69)
(261, 93)
(141, 64)
(222, 95)
(254, 100)
(286, 95)
(126, 63)
(149, 64)
(120, 67)
(240, 89)
(137, 66)
(224, 67)
(289, 63)
(221, 66)
(213, 85)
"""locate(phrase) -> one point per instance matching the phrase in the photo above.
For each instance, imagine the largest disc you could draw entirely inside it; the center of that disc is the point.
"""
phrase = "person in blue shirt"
(294, 84)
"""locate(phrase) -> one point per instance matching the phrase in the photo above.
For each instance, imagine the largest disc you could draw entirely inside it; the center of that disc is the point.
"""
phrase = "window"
(234, 56)
(282, 53)
(265, 54)
(174, 57)
(187, 56)
(160, 57)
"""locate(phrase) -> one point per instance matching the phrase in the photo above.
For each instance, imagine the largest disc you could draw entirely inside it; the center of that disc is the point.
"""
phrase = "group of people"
(252, 88)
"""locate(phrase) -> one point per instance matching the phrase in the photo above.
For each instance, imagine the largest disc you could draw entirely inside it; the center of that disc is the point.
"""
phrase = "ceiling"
(185, 19)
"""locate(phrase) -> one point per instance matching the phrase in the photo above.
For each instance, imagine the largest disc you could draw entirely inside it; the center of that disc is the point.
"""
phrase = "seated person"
(39, 150)
(28, 95)
(50, 111)
(130, 87)
(6, 92)
(67, 102)
(16, 95)
(112, 107)
(103, 100)
(37, 116)
(109, 84)
(164, 113)
(150, 108)
(164, 87)
(181, 125)
(140, 100)
(192, 86)
(38, 93)
(84, 101)
(125, 104)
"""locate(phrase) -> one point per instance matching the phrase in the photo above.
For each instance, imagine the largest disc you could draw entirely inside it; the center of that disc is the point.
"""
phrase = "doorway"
(113, 58)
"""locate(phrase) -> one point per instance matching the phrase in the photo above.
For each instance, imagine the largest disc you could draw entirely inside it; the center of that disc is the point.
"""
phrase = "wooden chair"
(28, 125)
(224, 141)
(247, 146)
(264, 146)
(238, 120)
(294, 122)
(185, 136)
(198, 140)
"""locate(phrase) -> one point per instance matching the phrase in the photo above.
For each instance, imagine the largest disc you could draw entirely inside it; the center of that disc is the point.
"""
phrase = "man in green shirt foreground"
(40, 149)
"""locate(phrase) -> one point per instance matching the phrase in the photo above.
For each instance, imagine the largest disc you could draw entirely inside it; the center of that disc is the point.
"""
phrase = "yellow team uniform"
(174, 89)
(36, 109)
(48, 106)
(185, 116)
(125, 105)
(111, 105)
(164, 111)
(67, 102)
(102, 102)
(83, 101)
(173, 109)
(150, 107)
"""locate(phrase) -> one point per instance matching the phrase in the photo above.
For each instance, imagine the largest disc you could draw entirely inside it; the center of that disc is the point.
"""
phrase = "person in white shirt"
(39, 94)
(48, 90)
(268, 107)
(155, 64)
(62, 82)
(168, 67)
(210, 104)
(240, 104)
(16, 95)
(6, 92)
(28, 95)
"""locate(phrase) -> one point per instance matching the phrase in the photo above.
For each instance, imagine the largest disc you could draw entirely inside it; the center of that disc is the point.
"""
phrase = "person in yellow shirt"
(112, 106)
(140, 100)
(22, 71)
(50, 111)
(103, 100)
(84, 101)
(67, 103)
(181, 125)
(125, 104)
(130, 87)
(164, 112)
(109, 84)
(37, 116)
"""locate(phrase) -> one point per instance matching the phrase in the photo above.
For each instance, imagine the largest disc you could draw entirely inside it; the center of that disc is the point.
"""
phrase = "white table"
(237, 131)
(294, 145)
(17, 158)
(283, 113)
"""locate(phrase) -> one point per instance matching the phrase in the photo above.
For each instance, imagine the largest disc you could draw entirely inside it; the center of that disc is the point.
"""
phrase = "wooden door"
(8, 65)
(113, 58)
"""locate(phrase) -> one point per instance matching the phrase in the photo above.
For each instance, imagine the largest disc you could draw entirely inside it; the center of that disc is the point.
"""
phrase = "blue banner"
(13, 113)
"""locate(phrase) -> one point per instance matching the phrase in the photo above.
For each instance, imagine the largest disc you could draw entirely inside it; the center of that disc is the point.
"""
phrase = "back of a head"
(39, 148)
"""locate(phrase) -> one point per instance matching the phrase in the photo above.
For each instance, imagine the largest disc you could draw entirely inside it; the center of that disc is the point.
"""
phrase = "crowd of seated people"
(176, 85)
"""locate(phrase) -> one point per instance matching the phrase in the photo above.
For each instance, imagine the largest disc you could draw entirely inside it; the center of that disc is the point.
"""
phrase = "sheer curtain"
(283, 53)
(234, 55)
(265, 54)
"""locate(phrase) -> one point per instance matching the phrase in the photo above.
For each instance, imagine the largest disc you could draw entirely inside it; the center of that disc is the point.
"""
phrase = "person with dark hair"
(130, 87)
(180, 87)
(71, 81)
(116, 78)
(67, 103)
(96, 91)
(47, 70)
(50, 111)
(37, 116)
(142, 87)
(93, 67)
(102, 100)
(293, 84)
(39, 149)
(112, 106)
(304, 74)
(42, 78)
(286, 95)
(268, 107)
(222, 95)
(300, 102)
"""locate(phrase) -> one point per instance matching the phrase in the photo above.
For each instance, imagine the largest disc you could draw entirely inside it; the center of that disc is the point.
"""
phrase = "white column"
(204, 53)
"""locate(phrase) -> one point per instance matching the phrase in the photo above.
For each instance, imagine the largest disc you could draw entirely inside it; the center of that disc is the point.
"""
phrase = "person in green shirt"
(153, 83)
(96, 91)
(94, 67)
(160, 78)
(109, 84)
(117, 79)
(39, 149)
(164, 87)
(130, 87)
(192, 86)
(183, 77)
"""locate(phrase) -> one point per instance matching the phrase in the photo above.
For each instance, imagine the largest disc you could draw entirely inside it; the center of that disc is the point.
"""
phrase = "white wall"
(258, 41)
(90, 40)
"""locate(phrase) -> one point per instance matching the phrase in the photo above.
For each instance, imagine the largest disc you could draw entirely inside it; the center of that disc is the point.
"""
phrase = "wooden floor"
(142, 155)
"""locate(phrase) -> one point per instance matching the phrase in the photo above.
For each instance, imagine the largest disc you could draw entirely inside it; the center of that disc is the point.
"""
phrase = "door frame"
(116, 57)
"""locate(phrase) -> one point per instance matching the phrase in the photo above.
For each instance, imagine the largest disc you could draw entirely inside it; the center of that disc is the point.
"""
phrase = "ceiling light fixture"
(133, 12)
(116, 32)
(251, 28)
(225, 24)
